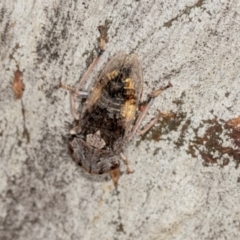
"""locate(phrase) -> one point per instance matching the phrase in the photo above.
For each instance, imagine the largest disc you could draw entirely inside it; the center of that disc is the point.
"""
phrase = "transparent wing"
(130, 66)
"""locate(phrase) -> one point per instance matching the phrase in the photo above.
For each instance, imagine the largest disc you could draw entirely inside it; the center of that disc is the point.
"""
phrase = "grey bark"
(186, 179)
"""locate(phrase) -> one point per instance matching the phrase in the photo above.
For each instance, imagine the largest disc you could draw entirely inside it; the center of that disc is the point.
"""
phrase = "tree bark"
(186, 179)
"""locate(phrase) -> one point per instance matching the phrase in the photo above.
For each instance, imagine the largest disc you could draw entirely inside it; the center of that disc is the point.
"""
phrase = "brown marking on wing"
(133, 87)
(128, 111)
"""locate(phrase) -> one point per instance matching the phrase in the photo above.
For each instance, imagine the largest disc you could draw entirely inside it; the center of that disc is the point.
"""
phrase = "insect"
(110, 116)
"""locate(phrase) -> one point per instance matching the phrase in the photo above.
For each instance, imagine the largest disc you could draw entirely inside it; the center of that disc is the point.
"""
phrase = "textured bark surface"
(186, 179)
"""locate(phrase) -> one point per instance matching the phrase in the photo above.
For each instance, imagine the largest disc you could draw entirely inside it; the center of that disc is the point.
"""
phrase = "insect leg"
(73, 94)
(152, 123)
(146, 107)
(103, 38)
(125, 160)
(82, 94)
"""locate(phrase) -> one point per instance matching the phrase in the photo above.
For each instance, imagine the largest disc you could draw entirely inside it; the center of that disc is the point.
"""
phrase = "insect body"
(109, 115)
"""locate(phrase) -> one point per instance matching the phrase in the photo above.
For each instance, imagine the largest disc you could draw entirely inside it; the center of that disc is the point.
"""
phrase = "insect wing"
(126, 68)
(96, 91)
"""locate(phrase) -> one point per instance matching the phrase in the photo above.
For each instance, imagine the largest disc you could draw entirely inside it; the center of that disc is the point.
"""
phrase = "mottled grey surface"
(186, 179)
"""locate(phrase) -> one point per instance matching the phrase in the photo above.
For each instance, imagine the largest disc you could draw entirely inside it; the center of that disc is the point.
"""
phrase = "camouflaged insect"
(107, 120)
(110, 116)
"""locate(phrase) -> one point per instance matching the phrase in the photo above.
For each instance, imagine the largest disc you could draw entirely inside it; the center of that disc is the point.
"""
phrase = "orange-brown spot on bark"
(18, 85)
(235, 123)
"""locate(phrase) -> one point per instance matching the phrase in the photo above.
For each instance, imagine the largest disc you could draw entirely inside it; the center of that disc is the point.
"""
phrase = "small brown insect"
(110, 116)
